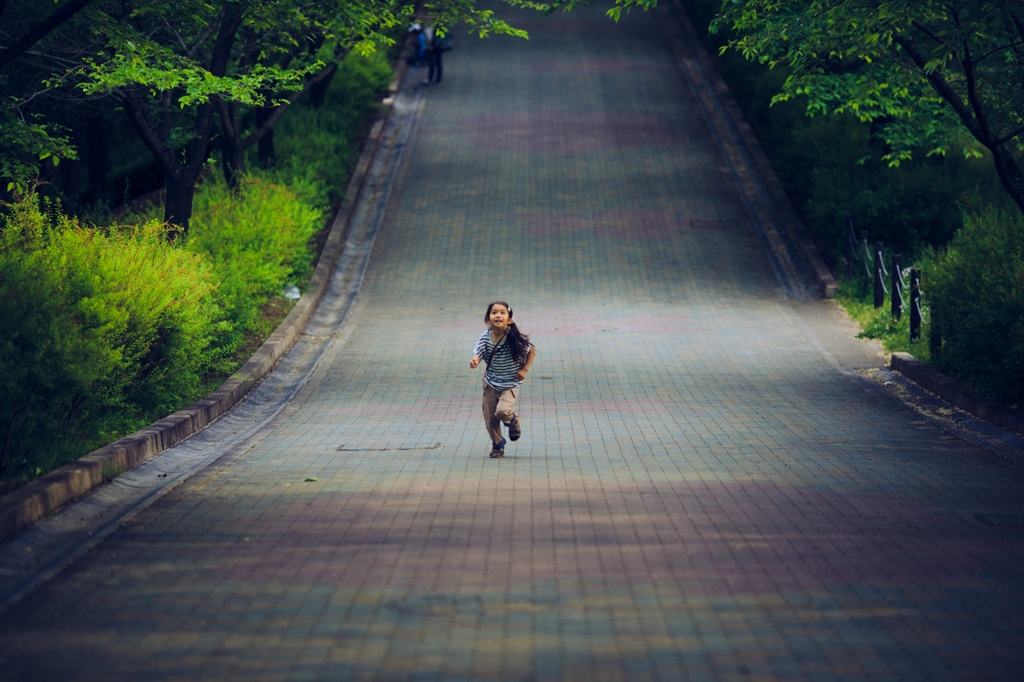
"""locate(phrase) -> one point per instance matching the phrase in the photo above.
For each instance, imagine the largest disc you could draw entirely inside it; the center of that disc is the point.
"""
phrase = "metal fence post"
(879, 284)
(897, 287)
(915, 305)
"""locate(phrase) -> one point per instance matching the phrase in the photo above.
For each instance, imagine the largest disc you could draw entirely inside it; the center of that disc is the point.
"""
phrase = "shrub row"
(88, 346)
(976, 294)
(106, 329)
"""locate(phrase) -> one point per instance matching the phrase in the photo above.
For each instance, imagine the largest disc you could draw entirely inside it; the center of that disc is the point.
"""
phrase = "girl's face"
(498, 317)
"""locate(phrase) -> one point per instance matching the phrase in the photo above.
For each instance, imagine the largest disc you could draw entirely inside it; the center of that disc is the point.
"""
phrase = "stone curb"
(48, 493)
(816, 268)
(953, 393)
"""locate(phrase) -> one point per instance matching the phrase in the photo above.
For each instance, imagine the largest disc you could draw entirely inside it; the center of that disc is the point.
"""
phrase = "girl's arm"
(480, 347)
(521, 374)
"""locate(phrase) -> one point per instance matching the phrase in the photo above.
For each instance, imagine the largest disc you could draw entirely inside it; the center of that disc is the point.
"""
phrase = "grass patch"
(878, 324)
(110, 471)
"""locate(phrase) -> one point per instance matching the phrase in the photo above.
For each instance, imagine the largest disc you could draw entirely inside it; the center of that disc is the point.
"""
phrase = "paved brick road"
(698, 495)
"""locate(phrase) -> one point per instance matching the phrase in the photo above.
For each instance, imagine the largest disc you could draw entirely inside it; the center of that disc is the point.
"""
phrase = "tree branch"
(226, 118)
(923, 28)
(201, 40)
(1008, 46)
(165, 116)
(942, 87)
(147, 128)
(1007, 138)
(972, 95)
(255, 136)
(51, 22)
(1018, 53)
(1017, 24)
(196, 152)
(177, 35)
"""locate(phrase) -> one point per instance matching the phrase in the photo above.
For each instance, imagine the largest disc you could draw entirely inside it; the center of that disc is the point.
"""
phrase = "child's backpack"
(443, 44)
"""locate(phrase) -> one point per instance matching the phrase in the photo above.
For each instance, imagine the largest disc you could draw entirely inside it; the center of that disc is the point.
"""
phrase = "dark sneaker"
(515, 428)
(498, 449)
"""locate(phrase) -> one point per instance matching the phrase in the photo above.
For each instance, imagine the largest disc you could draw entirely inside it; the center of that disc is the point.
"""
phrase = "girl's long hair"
(515, 339)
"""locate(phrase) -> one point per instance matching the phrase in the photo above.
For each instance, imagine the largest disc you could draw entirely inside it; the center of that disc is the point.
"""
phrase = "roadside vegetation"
(106, 325)
(166, 167)
(938, 201)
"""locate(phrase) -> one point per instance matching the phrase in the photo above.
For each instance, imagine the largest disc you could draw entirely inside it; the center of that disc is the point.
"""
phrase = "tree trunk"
(70, 170)
(267, 154)
(97, 156)
(1009, 174)
(231, 143)
(234, 161)
(181, 176)
(178, 202)
(319, 91)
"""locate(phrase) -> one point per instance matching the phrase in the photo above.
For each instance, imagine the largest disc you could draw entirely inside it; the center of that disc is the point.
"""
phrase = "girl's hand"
(521, 374)
(474, 362)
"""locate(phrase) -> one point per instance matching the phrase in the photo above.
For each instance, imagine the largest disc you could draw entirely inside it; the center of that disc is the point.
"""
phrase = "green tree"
(27, 139)
(169, 77)
(316, 38)
(932, 75)
(174, 66)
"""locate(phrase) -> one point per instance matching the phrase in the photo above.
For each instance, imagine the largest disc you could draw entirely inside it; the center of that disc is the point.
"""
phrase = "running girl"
(508, 354)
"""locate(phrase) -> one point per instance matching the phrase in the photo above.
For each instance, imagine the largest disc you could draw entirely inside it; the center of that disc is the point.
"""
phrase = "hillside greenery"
(106, 325)
(946, 214)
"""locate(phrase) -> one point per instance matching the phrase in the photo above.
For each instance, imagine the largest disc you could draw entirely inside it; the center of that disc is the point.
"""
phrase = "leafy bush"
(256, 241)
(321, 144)
(877, 323)
(89, 348)
(976, 292)
(105, 330)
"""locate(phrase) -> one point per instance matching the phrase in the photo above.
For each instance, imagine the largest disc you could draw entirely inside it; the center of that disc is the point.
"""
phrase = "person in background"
(433, 56)
(415, 60)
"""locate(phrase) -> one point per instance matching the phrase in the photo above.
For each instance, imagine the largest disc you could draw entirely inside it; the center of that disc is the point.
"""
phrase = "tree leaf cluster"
(186, 74)
(933, 75)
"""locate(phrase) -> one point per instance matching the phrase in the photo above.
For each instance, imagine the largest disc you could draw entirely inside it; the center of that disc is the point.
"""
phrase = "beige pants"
(499, 407)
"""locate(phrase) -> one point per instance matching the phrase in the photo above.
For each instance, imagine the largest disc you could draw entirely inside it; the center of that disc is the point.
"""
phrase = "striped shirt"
(501, 366)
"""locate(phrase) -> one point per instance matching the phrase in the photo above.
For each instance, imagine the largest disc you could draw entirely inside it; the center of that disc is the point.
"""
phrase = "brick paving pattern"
(698, 493)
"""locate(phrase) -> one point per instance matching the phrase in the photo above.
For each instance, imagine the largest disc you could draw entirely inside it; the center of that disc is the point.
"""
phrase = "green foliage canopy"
(173, 66)
(933, 75)
(27, 139)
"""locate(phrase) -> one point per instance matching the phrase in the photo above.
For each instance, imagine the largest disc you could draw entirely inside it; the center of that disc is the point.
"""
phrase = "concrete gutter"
(49, 493)
(953, 393)
(701, 67)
